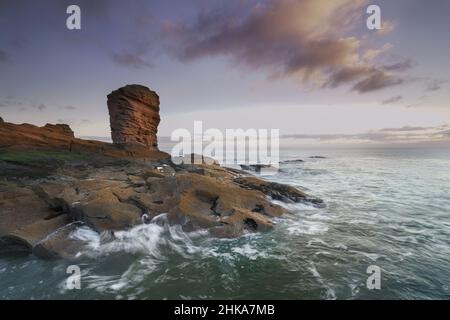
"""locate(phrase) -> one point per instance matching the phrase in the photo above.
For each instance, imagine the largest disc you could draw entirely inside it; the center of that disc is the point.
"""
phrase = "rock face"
(26, 221)
(59, 137)
(56, 136)
(39, 215)
(278, 191)
(134, 115)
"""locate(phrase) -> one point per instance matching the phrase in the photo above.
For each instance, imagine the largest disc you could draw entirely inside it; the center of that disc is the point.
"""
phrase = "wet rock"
(242, 221)
(98, 203)
(258, 168)
(104, 211)
(28, 236)
(59, 244)
(278, 191)
(208, 202)
(20, 207)
(146, 219)
(293, 161)
(59, 196)
(111, 198)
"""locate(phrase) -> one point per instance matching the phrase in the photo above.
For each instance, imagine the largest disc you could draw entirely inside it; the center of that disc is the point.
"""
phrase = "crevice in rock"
(258, 208)
(54, 215)
(214, 207)
(250, 224)
(98, 218)
(140, 206)
(133, 202)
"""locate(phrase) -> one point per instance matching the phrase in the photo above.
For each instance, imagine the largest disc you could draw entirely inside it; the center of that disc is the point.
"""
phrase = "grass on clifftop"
(39, 157)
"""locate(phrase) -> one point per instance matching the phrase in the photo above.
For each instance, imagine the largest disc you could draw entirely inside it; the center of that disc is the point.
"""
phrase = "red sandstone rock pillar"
(134, 115)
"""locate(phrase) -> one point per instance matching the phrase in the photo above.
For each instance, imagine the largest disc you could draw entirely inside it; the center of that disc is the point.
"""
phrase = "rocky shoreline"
(51, 183)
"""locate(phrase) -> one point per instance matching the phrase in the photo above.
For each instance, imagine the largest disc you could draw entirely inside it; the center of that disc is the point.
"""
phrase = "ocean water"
(385, 207)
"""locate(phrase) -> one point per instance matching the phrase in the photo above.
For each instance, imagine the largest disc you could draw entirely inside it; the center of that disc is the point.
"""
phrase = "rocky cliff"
(60, 137)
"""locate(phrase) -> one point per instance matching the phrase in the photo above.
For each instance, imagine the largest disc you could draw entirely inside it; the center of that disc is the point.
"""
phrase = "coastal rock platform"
(51, 183)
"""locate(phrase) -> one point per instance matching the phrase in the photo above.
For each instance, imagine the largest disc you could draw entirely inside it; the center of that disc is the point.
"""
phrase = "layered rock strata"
(134, 115)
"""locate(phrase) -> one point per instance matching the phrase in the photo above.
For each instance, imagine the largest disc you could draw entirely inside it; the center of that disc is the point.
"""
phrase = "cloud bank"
(130, 60)
(309, 40)
(403, 135)
(392, 100)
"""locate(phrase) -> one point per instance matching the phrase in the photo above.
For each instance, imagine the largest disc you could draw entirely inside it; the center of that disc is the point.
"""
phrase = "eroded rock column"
(134, 116)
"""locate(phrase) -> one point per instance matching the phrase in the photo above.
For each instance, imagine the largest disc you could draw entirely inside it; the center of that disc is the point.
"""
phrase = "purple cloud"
(304, 39)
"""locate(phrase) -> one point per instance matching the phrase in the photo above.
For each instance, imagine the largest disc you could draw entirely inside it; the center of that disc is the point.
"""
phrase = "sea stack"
(134, 116)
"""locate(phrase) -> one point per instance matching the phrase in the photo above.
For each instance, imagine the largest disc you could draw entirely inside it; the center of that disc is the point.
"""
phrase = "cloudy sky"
(310, 68)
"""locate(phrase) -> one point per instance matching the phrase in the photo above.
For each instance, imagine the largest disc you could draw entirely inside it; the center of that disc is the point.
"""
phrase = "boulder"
(59, 244)
(106, 212)
(134, 116)
(293, 161)
(199, 201)
(25, 219)
(20, 207)
(117, 200)
(97, 203)
(278, 191)
(30, 235)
